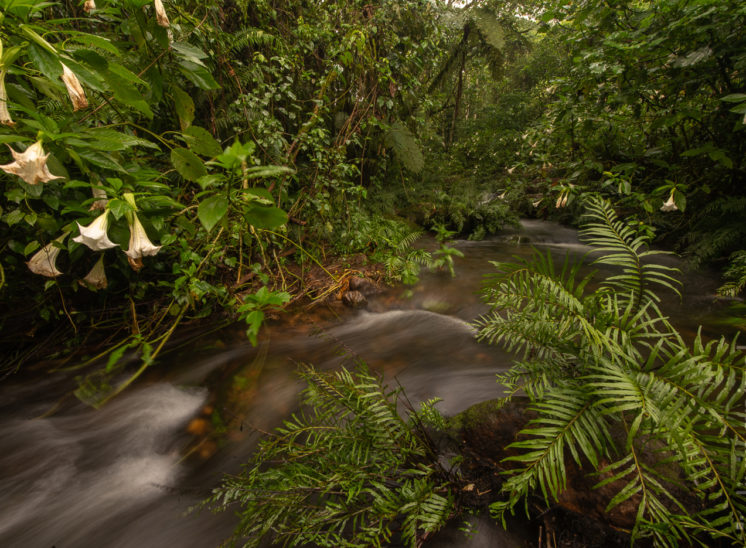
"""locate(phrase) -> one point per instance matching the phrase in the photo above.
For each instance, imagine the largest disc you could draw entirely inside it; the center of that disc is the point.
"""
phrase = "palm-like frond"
(608, 360)
(339, 473)
(568, 423)
(624, 248)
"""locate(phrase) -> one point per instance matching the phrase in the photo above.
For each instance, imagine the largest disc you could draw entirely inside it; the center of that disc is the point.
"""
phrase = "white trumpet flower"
(670, 205)
(94, 235)
(74, 89)
(5, 118)
(140, 246)
(96, 278)
(44, 261)
(89, 6)
(30, 165)
(160, 14)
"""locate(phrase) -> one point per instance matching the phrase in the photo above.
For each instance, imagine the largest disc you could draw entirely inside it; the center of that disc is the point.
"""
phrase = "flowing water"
(126, 475)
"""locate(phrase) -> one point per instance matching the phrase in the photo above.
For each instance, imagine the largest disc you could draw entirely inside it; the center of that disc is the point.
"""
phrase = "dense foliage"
(640, 101)
(167, 160)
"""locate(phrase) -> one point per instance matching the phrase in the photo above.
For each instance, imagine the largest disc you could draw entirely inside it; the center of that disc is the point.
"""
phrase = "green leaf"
(126, 74)
(189, 52)
(184, 106)
(734, 98)
(266, 217)
(119, 207)
(13, 217)
(111, 140)
(48, 64)
(38, 40)
(99, 159)
(210, 180)
(198, 75)
(127, 93)
(52, 200)
(211, 210)
(13, 139)
(96, 41)
(200, 141)
(91, 58)
(188, 164)
(30, 248)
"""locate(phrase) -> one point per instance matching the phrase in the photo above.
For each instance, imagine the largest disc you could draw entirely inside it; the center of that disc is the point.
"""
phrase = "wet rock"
(485, 430)
(198, 427)
(354, 299)
(363, 285)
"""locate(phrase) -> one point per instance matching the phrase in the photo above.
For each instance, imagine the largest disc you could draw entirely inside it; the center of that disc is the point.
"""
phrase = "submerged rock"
(354, 299)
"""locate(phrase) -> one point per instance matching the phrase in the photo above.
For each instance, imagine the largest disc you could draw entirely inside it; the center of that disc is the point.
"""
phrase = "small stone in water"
(354, 299)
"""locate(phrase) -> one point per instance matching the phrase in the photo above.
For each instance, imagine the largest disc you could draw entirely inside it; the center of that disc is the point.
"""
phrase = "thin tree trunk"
(459, 92)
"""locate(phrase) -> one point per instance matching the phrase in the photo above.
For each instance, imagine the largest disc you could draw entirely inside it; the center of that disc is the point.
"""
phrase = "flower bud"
(74, 89)
(160, 14)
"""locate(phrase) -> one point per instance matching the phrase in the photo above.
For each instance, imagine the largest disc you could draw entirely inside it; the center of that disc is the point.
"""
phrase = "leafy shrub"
(607, 360)
(347, 470)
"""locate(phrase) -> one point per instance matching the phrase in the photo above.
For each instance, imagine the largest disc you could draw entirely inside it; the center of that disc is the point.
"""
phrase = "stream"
(126, 475)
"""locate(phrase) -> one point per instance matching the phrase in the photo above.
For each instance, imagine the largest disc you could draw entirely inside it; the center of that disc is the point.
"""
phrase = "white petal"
(160, 14)
(5, 118)
(670, 205)
(140, 245)
(94, 235)
(43, 261)
(96, 278)
(30, 165)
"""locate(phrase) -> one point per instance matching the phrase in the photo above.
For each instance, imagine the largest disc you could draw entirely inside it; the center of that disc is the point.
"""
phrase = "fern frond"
(339, 472)
(568, 423)
(610, 358)
(624, 248)
(405, 147)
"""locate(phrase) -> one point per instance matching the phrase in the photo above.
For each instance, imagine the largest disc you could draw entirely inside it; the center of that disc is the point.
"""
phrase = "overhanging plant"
(603, 362)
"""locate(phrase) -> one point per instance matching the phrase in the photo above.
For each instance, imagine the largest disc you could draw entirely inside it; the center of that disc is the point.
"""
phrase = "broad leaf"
(266, 217)
(200, 141)
(184, 106)
(211, 210)
(188, 164)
